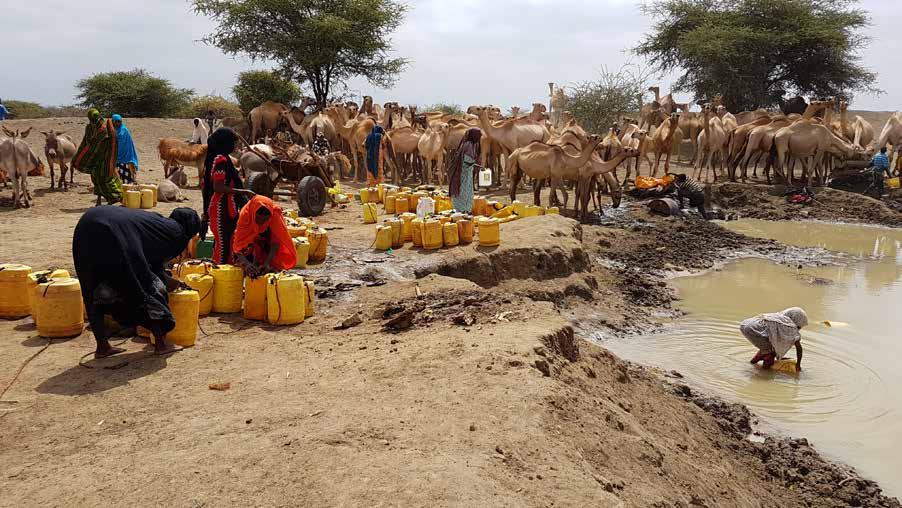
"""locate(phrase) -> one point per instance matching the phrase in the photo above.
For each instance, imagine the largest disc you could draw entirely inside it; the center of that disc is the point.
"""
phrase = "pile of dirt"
(767, 202)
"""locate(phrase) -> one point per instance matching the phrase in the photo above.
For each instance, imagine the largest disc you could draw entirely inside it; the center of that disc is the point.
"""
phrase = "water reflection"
(846, 399)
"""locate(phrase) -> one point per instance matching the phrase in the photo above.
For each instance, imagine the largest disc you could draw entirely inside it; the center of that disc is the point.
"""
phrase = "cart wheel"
(260, 183)
(311, 196)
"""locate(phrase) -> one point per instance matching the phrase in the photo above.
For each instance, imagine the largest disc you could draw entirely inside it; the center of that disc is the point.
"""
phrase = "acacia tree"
(134, 93)
(598, 104)
(757, 52)
(319, 42)
(255, 87)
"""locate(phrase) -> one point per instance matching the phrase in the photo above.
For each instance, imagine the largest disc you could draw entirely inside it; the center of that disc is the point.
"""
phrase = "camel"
(710, 143)
(431, 147)
(595, 168)
(862, 132)
(541, 162)
(761, 138)
(353, 131)
(512, 134)
(737, 142)
(310, 125)
(745, 117)
(892, 134)
(729, 121)
(264, 118)
(802, 140)
(664, 139)
(668, 105)
(691, 125)
(651, 115)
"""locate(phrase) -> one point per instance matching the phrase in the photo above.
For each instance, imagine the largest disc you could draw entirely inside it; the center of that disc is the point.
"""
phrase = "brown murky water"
(848, 399)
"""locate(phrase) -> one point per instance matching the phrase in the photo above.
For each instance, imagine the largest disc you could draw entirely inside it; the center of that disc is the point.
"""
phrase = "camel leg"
(666, 164)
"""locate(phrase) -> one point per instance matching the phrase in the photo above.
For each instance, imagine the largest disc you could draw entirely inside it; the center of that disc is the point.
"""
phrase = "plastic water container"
(465, 231)
(407, 226)
(479, 205)
(255, 297)
(414, 200)
(185, 306)
(192, 266)
(532, 211)
(485, 177)
(14, 295)
(402, 203)
(432, 235)
(153, 188)
(58, 308)
(42, 276)
(227, 288)
(383, 237)
(370, 213)
(146, 198)
(519, 207)
(203, 284)
(285, 297)
(450, 234)
(552, 210)
(892, 183)
(319, 245)
(489, 232)
(785, 366)
(310, 301)
(397, 239)
(131, 199)
(302, 248)
(390, 203)
(205, 249)
(297, 231)
(416, 232)
(425, 206)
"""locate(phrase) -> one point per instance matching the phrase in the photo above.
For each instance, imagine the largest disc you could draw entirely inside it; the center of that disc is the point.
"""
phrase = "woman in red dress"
(224, 193)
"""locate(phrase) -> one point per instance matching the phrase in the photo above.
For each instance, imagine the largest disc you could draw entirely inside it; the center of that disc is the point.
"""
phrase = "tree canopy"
(255, 87)
(598, 104)
(757, 52)
(134, 93)
(322, 43)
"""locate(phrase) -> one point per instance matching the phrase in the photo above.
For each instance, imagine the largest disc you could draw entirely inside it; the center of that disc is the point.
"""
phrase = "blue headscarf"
(373, 144)
(126, 153)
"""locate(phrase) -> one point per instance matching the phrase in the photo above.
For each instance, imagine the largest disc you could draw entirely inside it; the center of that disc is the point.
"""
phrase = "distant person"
(120, 255)
(97, 156)
(200, 134)
(461, 170)
(774, 333)
(262, 243)
(211, 120)
(223, 193)
(688, 188)
(4, 113)
(321, 145)
(126, 155)
(880, 167)
(375, 155)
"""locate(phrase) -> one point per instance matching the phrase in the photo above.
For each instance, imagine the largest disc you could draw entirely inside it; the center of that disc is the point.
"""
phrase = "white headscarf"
(200, 132)
(783, 328)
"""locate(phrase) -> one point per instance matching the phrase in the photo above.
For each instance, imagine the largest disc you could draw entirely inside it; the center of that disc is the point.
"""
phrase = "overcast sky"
(501, 52)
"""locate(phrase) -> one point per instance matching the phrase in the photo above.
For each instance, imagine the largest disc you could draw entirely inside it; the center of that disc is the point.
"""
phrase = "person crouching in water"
(120, 256)
(774, 333)
(687, 188)
(262, 243)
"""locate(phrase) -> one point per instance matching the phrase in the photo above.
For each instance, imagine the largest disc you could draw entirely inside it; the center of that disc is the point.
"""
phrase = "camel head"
(515, 111)
(720, 110)
(629, 151)
(655, 89)
(682, 107)
(538, 107)
(566, 116)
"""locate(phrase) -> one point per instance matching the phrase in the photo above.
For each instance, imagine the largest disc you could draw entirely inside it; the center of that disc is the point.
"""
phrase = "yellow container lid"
(14, 271)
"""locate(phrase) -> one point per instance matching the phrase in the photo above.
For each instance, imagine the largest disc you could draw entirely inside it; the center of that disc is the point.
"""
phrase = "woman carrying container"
(223, 192)
(262, 243)
(97, 156)
(126, 155)
(462, 171)
(774, 333)
(120, 255)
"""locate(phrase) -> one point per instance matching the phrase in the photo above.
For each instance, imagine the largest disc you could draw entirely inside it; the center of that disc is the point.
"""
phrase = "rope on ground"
(22, 367)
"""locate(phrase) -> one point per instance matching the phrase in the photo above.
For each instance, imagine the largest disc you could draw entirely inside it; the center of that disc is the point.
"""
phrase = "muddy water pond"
(848, 398)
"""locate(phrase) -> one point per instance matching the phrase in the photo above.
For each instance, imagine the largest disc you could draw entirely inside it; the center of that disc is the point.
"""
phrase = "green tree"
(597, 104)
(221, 106)
(757, 52)
(448, 109)
(23, 110)
(134, 93)
(322, 43)
(256, 87)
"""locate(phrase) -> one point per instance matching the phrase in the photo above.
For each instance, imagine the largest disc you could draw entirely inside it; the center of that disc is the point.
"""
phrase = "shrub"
(256, 87)
(450, 109)
(22, 109)
(219, 105)
(134, 93)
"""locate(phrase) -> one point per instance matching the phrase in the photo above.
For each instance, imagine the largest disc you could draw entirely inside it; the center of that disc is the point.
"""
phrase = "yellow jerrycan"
(319, 245)
(532, 211)
(786, 366)
(397, 240)
(302, 248)
(203, 284)
(14, 297)
(518, 207)
(407, 226)
(255, 297)
(192, 266)
(153, 188)
(402, 203)
(227, 288)
(389, 203)
(432, 235)
(465, 230)
(416, 232)
(131, 199)
(450, 235)
(58, 307)
(370, 213)
(414, 200)
(297, 231)
(146, 198)
(383, 238)
(479, 205)
(34, 279)
(310, 301)
(285, 297)
(184, 305)
(489, 232)
(552, 210)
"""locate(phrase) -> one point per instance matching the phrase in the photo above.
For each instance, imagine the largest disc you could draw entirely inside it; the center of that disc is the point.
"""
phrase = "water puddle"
(846, 401)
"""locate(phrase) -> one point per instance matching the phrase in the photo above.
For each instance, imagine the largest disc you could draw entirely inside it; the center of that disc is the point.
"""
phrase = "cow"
(18, 160)
(59, 148)
(175, 152)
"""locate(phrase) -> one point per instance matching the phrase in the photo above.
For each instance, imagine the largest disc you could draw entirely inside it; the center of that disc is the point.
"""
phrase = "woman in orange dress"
(262, 243)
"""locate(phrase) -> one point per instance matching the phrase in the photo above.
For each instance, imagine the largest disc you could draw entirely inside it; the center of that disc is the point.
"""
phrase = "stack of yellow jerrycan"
(227, 288)
(58, 308)
(34, 279)
(432, 234)
(450, 235)
(489, 232)
(416, 232)
(319, 245)
(286, 295)
(296, 230)
(465, 230)
(255, 297)
(302, 248)
(14, 294)
(203, 284)
(192, 266)
(185, 306)
(383, 237)
(370, 213)
(131, 199)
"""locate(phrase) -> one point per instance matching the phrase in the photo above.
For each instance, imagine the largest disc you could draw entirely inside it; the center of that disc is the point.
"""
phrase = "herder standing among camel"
(880, 165)
(375, 155)
(97, 156)
(126, 155)
(462, 170)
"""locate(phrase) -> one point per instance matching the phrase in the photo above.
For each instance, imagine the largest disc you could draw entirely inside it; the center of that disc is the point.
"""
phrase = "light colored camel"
(595, 168)
(542, 162)
(665, 138)
(311, 124)
(803, 140)
(354, 132)
(737, 142)
(668, 105)
(760, 141)
(711, 144)
(264, 118)
(691, 125)
(512, 134)
(745, 117)
(890, 134)
(431, 147)
(729, 121)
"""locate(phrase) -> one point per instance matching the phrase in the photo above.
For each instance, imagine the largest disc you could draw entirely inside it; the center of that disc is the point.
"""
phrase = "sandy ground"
(489, 398)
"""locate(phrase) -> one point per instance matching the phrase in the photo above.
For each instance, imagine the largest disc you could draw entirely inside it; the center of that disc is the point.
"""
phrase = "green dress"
(97, 156)
(463, 202)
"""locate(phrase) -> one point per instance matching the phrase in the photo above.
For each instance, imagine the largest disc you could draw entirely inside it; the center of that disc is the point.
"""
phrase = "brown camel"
(711, 143)
(265, 118)
(595, 168)
(431, 147)
(802, 140)
(665, 138)
(541, 162)
(354, 132)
